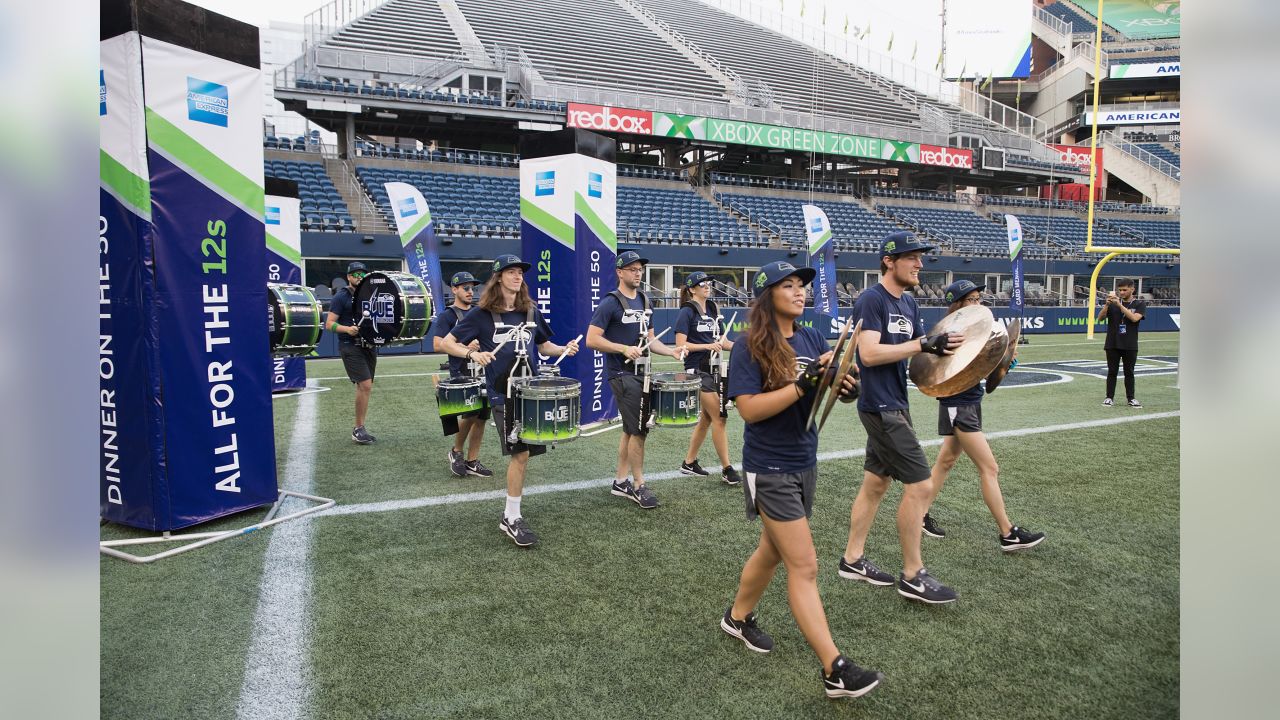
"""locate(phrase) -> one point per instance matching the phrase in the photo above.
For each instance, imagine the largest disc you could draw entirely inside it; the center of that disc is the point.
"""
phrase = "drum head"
(392, 308)
(997, 375)
(985, 341)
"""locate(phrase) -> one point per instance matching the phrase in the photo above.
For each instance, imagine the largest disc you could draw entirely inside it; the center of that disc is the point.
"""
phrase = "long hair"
(491, 298)
(686, 295)
(765, 343)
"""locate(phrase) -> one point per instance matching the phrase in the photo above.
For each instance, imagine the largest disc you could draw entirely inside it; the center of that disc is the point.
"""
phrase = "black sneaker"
(1133, 403)
(693, 468)
(849, 680)
(747, 631)
(475, 468)
(1020, 539)
(622, 488)
(518, 530)
(729, 476)
(931, 527)
(925, 588)
(362, 436)
(644, 497)
(1107, 403)
(864, 570)
(457, 465)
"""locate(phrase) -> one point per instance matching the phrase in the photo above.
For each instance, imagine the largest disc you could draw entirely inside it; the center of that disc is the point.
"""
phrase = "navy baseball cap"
(959, 289)
(897, 243)
(696, 278)
(776, 272)
(355, 267)
(628, 257)
(463, 278)
(505, 261)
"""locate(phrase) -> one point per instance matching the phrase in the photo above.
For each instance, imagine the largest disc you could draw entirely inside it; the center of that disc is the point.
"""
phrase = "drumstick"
(565, 355)
(646, 345)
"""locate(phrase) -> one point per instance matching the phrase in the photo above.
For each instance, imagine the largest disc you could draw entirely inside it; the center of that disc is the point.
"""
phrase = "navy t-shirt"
(478, 324)
(1122, 333)
(620, 325)
(343, 305)
(782, 443)
(884, 387)
(444, 324)
(972, 396)
(699, 328)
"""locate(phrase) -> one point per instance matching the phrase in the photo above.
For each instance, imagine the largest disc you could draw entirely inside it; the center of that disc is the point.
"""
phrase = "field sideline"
(405, 601)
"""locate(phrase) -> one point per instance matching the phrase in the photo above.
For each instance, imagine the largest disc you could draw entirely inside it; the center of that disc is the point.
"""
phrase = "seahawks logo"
(889, 247)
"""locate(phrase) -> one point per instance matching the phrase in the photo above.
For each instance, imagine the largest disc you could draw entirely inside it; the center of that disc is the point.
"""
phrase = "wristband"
(468, 355)
(333, 326)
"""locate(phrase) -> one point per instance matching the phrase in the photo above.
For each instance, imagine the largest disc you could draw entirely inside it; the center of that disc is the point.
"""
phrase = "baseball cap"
(463, 278)
(695, 278)
(628, 257)
(505, 261)
(355, 267)
(776, 272)
(959, 289)
(897, 243)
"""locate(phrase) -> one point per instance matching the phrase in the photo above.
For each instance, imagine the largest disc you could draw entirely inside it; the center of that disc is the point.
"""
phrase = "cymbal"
(841, 363)
(985, 342)
(829, 375)
(1002, 369)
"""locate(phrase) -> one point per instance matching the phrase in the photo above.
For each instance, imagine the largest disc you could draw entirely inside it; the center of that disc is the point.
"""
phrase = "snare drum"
(457, 396)
(293, 319)
(548, 370)
(547, 409)
(676, 402)
(398, 307)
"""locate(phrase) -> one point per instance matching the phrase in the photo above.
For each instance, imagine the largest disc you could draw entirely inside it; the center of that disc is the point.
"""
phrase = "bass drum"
(392, 308)
(293, 320)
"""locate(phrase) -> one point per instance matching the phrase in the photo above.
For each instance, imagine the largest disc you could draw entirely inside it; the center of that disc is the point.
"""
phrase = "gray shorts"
(504, 435)
(965, 418)
(626, 392)
(892, 447)
(359, 361)
(781, 496)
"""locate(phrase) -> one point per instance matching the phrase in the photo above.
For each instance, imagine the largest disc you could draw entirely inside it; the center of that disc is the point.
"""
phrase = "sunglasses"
(359, 275)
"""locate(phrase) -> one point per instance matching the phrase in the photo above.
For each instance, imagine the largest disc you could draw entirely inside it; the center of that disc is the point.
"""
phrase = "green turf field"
(407, 602)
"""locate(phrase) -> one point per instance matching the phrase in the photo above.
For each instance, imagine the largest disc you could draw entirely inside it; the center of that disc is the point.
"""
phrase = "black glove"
(936, 344)
(809, 379)
(850, 395)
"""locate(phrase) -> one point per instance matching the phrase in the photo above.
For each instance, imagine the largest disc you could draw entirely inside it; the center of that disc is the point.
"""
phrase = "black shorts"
(359, 361)
(892, 447)
(627, 390)
(504, 435)
(781, 496)
(708, 380)
(450, 422)
(965, 418)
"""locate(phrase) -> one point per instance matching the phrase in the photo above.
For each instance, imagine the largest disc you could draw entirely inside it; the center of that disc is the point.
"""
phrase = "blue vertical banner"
(1014, 228)
(418, 237)
(822, 258)
(568, 228)
(284, 265)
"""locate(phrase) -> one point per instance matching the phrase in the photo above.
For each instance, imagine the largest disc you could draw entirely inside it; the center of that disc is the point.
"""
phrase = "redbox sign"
(1078, 156)
(610, 119)
(946, 157)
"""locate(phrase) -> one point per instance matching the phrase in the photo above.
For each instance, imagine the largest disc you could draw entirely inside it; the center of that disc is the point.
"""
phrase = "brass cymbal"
(985, 342)
(1002, 369)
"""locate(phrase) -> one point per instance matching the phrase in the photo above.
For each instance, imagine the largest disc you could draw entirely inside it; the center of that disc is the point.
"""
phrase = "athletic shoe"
(362, 436)
(644, 497)
(747, 631)
(849, 680)
(1107, 403)
(729, 476)
(457, 465)
(622, 488)
(1020, 539)
(518, 530)
(925, 588)
(864, 570)
(931, 527)
(1133, 403)
(693, 468)
(475, 468)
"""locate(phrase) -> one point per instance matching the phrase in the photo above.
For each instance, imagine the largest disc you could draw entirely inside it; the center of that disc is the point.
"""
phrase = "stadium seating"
(1080, 23)
(1070, 231)
(677, 216)
(966, 232)
(853, 227)
(778, 183)
(402, 27)
(322, 208)
(1159, 233)
(1163, 153)
(912, 194)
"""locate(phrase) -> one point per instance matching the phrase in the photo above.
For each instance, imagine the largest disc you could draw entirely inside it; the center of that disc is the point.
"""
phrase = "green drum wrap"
(293, 319)
(548, 409)
(676, 401)
(456, 396)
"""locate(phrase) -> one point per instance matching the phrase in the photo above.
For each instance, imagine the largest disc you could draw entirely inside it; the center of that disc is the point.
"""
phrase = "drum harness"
(641, 363)
(519, 369)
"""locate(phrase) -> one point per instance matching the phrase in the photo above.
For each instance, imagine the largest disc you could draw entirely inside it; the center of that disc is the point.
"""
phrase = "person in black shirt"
(698, 330)
(960, 425)
(358, 359)
(1123, 313)
(467, 428)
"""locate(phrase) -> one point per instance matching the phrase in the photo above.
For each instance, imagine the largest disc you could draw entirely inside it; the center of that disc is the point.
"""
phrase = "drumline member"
(504, 305)
(619, 327)
(960, 425)
(773, 378)
(891, 333)
(359, 358)
(697, 330)
(467, 428)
